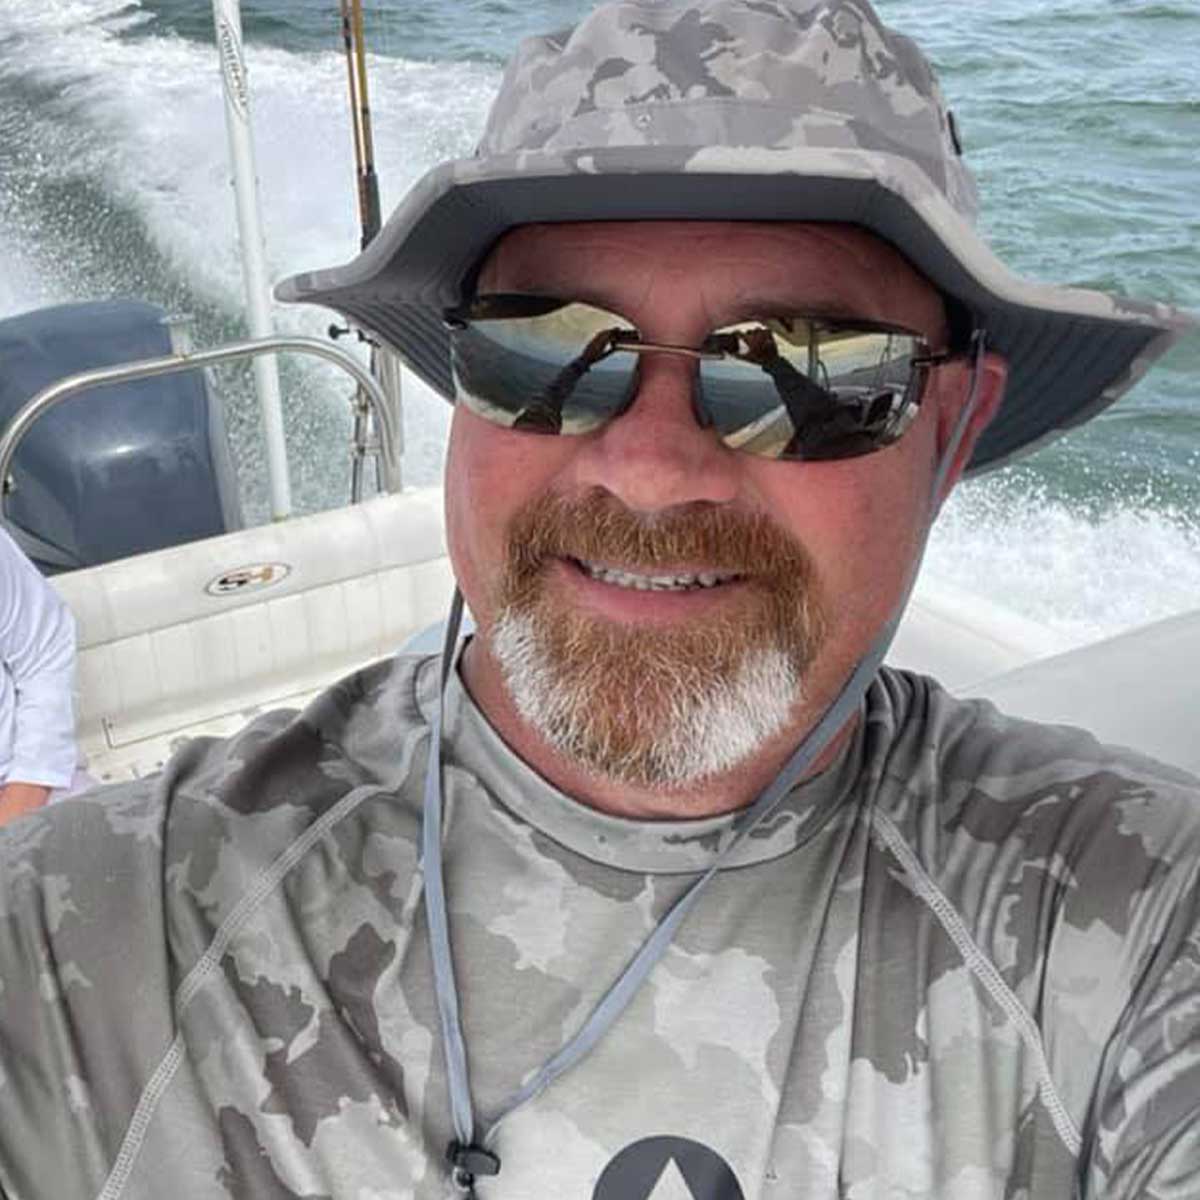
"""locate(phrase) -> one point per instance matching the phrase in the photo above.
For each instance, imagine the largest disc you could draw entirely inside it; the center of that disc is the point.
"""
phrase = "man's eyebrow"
(773, 307)
(834, 310)
(525, 287)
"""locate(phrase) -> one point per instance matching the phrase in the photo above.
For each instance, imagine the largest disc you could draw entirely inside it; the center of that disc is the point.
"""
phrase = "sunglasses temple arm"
(959, 432)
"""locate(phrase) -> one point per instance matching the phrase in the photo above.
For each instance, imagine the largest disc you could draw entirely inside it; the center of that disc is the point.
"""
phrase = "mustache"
(597, 527)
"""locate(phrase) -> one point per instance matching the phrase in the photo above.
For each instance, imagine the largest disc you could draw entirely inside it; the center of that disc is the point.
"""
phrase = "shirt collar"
(648, 847)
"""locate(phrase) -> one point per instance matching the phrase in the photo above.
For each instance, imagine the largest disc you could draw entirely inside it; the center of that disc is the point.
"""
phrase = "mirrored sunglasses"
(786, 387)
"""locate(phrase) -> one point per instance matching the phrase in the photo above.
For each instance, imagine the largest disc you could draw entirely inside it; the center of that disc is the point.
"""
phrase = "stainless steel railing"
(387, 421)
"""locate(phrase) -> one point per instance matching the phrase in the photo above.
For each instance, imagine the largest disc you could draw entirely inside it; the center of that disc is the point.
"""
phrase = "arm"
(1145, 1123)
(84, 1016)
(805, 400)
(37, 646)
(17, 799)
(544, 412)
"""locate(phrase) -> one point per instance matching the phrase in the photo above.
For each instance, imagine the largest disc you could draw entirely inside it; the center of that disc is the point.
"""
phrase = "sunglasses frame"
(514, 306)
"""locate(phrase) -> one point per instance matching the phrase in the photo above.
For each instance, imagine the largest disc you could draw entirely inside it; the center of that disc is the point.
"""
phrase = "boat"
(190, 632)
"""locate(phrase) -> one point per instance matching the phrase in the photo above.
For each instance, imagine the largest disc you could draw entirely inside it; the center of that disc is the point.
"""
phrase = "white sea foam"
(1083, 576)
(144, 119)
(21, 286)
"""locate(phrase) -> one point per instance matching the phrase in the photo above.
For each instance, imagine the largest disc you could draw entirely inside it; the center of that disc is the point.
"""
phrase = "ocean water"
(1081, 119)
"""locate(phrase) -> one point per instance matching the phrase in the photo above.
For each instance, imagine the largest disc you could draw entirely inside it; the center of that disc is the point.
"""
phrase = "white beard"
(690, 731)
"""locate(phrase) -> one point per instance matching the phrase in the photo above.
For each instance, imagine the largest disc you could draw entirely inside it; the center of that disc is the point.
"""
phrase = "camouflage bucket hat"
(763, 110)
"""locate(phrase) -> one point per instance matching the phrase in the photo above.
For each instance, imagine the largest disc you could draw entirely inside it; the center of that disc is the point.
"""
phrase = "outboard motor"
(119, 469)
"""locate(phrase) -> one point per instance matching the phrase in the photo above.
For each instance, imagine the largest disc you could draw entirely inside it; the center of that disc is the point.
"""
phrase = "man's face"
(770, 579)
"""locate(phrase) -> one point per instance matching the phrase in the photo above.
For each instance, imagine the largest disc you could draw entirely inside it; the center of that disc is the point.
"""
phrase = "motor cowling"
(115, 470)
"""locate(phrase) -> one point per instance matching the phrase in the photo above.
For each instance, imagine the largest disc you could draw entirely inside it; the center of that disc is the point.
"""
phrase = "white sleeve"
(37, 648)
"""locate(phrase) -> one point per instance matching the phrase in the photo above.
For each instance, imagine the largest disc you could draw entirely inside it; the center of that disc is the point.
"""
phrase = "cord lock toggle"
(472, 1160)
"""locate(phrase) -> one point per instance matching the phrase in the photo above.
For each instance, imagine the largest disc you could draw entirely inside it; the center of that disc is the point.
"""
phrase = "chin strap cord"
(470, 1159)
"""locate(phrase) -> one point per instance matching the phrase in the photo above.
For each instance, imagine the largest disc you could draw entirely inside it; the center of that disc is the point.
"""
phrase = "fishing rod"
(383, 366)
(360, 111)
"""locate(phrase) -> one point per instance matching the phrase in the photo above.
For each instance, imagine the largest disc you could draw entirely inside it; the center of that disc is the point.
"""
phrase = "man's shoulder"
(962, 740)
(1061, 874)
(359, 732)
(967, 783)
(253, 793)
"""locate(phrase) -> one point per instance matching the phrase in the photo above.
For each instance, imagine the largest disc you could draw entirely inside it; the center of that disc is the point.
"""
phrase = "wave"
(1084, 574)
(116, 183)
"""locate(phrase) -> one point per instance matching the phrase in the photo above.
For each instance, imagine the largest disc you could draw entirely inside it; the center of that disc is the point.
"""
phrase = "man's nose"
(656, 454)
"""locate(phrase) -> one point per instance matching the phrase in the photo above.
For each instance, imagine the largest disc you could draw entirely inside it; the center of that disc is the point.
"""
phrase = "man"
(661, 887)
(37, 679)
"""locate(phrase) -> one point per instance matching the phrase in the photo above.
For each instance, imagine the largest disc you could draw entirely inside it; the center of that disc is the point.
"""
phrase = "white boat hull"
(163, 658)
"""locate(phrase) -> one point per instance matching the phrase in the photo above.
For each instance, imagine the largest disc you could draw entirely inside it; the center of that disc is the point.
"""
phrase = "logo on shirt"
(668, 1168)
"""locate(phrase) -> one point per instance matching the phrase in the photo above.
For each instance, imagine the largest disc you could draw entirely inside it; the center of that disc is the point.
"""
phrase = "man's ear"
(953, 395)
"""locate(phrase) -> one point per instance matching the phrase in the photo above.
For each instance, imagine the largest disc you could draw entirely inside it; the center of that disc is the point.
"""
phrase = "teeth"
(656, 583)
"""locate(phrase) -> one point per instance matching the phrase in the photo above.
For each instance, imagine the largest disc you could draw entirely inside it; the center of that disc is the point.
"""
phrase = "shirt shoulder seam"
(982, 967)
(263, 885)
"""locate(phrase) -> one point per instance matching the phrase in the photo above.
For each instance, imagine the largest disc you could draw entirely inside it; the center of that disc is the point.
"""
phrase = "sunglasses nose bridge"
(686, 367)
(654, 454)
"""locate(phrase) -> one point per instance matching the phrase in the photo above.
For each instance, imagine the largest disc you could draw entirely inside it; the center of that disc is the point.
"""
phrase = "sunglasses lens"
(799, 388)
(780, 387)
(547, 371)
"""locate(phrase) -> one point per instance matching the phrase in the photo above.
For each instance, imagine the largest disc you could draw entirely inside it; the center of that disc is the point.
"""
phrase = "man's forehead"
(839, 268)
(528, 246)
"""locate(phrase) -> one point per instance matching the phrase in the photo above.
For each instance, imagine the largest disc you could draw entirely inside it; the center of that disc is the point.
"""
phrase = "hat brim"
(1071, 352)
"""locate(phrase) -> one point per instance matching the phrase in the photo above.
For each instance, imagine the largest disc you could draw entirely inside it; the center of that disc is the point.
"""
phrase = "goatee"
(659, 707)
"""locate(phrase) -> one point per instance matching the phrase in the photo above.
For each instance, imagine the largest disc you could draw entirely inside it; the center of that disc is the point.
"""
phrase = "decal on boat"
(249, 578)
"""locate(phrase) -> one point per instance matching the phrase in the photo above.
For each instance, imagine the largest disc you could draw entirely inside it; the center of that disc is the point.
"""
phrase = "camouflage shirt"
(963, 962)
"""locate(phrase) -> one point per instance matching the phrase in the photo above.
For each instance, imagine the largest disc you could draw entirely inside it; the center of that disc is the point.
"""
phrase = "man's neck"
(714, 796)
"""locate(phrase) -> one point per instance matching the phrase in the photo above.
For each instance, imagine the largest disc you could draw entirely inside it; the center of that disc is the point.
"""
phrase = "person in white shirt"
(37, 675)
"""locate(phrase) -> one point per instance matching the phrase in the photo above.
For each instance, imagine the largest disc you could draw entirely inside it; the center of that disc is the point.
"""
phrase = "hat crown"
(750, 74)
